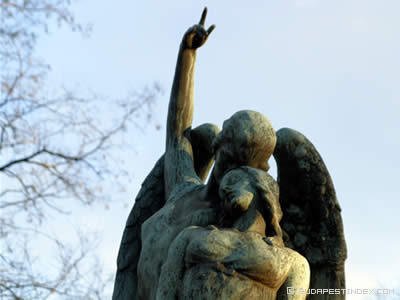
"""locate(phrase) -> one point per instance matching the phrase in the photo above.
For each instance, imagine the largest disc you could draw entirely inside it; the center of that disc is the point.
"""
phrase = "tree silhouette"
(54, 147)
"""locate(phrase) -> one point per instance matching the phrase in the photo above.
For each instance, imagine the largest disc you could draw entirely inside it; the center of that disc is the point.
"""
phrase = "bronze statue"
(185, 239)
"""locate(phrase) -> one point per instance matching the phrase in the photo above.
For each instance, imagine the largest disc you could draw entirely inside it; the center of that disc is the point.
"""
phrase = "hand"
(196, 35)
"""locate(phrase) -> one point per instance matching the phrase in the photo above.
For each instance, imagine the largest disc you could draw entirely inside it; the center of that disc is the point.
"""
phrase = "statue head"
(247, 190)
(247, 139)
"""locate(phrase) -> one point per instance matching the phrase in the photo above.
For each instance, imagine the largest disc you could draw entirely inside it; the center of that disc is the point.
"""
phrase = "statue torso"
(204, 280)
(184, 209)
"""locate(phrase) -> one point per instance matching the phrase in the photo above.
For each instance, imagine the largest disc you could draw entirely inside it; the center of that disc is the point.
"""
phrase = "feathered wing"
(312, 221)
(148, 201)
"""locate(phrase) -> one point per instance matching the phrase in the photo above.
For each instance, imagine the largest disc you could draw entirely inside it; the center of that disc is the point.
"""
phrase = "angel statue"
(240, 235)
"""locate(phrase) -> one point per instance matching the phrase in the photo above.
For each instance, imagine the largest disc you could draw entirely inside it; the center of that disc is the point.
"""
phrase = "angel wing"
(312, 221)
(148, 201)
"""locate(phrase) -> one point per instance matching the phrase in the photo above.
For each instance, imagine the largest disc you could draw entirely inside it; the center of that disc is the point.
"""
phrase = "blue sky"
(329, 69)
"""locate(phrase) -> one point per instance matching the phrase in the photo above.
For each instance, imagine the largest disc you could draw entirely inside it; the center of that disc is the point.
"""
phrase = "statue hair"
(249, 137)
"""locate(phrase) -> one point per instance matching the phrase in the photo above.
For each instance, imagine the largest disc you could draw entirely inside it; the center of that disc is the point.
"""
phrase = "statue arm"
(179, 166)
(243, 252)
(297, 281)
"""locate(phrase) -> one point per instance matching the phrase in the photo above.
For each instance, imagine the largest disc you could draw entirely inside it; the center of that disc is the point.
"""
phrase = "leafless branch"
(54, 146)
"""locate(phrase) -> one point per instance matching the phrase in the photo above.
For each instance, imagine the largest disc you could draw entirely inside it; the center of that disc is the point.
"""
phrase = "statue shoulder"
(179, 204)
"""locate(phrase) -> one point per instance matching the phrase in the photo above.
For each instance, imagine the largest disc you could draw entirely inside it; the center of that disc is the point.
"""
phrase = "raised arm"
(178, 166)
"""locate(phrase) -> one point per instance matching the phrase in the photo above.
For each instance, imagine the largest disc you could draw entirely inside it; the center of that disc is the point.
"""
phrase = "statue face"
(224, 161)
(237, 192)
(227, 156)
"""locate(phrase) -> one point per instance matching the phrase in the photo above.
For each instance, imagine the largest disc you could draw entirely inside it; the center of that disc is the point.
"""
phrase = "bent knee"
(300, 271)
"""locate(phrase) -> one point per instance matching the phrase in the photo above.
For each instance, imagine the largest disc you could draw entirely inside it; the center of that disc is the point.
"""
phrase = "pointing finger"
(203, 17)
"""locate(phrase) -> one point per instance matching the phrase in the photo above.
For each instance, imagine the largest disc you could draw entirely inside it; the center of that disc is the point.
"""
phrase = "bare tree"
(53, 147)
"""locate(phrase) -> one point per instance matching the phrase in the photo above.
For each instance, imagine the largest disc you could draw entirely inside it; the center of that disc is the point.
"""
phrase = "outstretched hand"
(197, 35)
